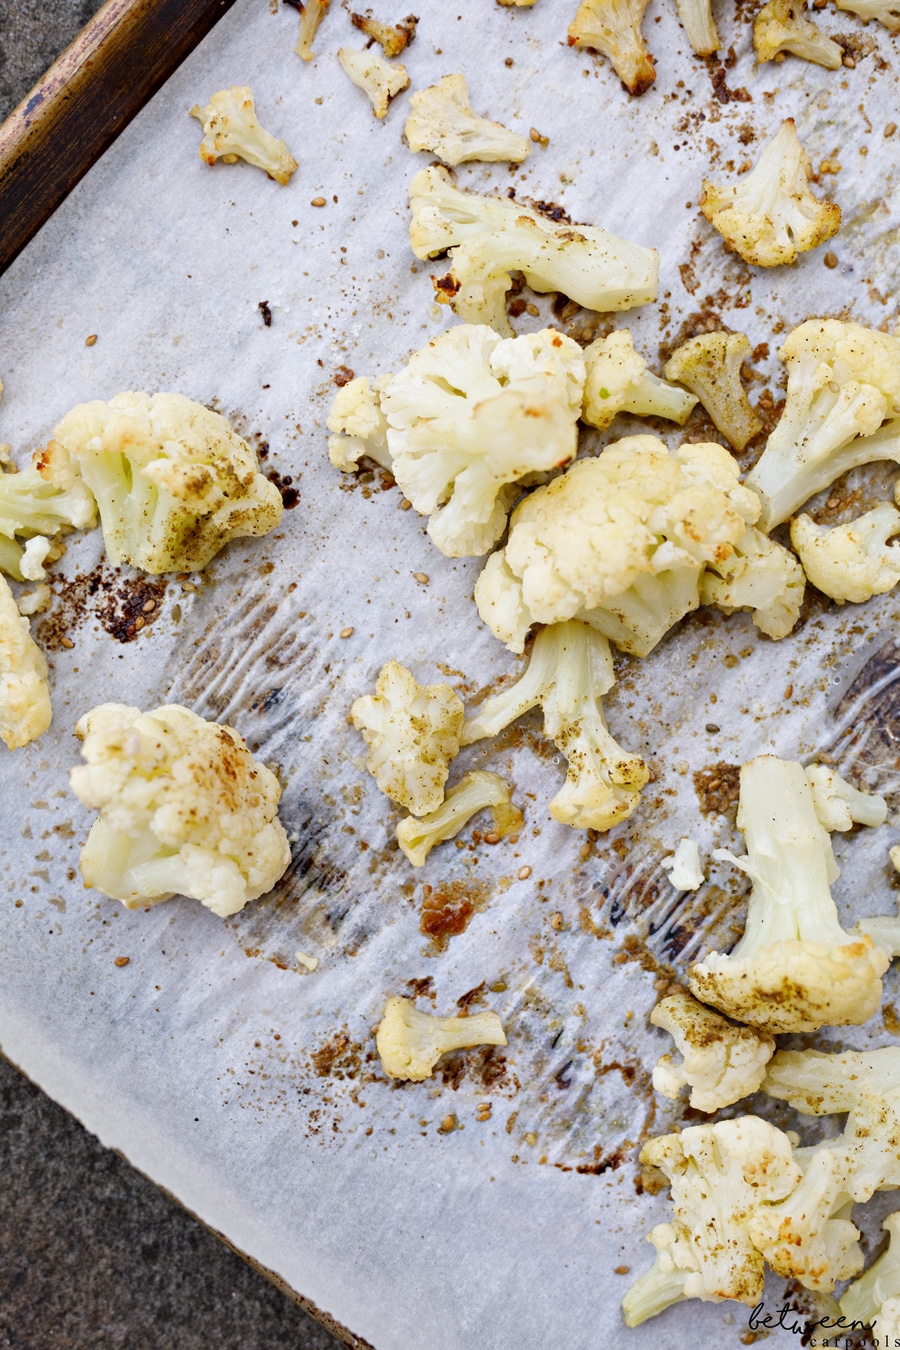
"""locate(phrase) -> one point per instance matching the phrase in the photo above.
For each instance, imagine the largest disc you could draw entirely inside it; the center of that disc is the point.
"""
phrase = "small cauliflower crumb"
(442, 122)
(24, 692)
(683, 866)
(379, 80)
(303, 959)
(721, 1060)
(410, 1042)
(464, 800)
(412, 731)
(231, 132)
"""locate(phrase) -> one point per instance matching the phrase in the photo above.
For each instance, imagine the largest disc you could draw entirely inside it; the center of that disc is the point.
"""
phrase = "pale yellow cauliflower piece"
(618, 380)
(721, 1061)
(477, 790)
(24, 692)
(231, 132)
(710, 366)
(410, 1042)
(311, 15)
(358, 424)
(412, 731)
(380, 80)
(442, 122)
(839, 805)
(853, 561)
(613, 28)
(761, 576)
(783, 26)
(184, 807)
(392, 38)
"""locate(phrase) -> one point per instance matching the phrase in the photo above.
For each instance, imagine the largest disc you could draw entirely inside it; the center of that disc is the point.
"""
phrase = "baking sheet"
(245, 1085)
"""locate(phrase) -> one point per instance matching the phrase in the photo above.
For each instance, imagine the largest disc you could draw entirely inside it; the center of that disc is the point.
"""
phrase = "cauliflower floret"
(885, 11)
(721, 1061)
(490, 237)
(769, 215)
(809, 1236)
(874, 1298)
(231, 132)
(442, 122)
(843, 382)
(411, 1042)
(619, 541)
(762, 576)
(173, 481)
(311, 15)
(24, 692)
(413, 733)
(700, 26)
(35, 505)
(184, 807)
(36, 601)
(721, 1176)
(381, 81)
(392, 38)
(782, 26)
(359, 425)
(618, 381)
(569, 672)
(710, 366)
(838, 805)
(473, 413)
(683, 866)
(474, 792)
(795, 969)
(613, 28)
(852, 561)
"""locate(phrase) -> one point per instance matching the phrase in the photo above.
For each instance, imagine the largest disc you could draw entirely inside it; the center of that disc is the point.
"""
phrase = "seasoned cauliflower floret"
(231, 132)
(410, 1042)
(783, 26)
(710, 366)
(769, 215)
(569, 672)
(700, 26)
(839, 805)
(843, 382)
(886, 12)
(618, 381)
(762, 576)
(619, 542)
(721, 1061)
(721, 1176)
(683, 866)
(853, 561)
(875, 1297)
(359, 425)
(311, 15)
(412, 731)
(35, 506)
(392, 38)
(24, 691)
(381, 81)
(172, 480)
(491, 237)
(613, 28)
(477, 790)
(442, 122)
(794, 969)
(184, 807)
(472, 414)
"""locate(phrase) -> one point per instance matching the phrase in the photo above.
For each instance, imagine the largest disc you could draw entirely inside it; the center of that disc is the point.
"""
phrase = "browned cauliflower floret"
(441, 121)
(710, 366)
(782, 26)
(24, 691)
(613, 28)
(380, 80)
(417, 836)
(411, 1042)
(311, 15)
(721, 1061)
(231, 132)
(391, 37)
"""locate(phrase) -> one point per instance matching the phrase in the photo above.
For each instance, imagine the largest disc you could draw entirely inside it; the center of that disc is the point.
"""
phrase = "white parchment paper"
(221, 1067)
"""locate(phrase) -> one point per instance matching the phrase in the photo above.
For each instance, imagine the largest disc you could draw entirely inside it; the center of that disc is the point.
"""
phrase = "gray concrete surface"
(91, 1254)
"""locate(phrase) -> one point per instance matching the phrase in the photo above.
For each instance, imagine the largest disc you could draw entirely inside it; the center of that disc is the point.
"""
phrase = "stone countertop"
(91, 1253)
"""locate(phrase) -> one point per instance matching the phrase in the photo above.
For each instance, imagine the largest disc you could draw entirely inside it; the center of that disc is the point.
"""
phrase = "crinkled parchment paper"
(222, 1068)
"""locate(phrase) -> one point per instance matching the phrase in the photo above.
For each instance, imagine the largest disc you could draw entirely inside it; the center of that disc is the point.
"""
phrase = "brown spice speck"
(622, 1270)
(830, 259)
(317, 201)
(121, 961)
(889, 130)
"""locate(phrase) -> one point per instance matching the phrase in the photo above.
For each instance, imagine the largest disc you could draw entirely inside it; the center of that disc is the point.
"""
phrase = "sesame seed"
(347, 632)
(89, 341)
(121, 961)
(492, 837)
(67, 643)
(524, 873)
(830, 259)
(148, 606)
(317, 201)
(421, 578)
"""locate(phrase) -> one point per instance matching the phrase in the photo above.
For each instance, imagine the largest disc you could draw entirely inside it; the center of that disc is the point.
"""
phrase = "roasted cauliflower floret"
(886, 12)
(700, 26)
(618, 381)
(720, 1060)
(839, 805)
(783, 26)
(472, 414)
(410, 1042)
(613, 28)
(853, 561)
(35, 506)
(442, 122)
(619, 542)
(569, 672)
(381, 81)
(392, 38)
(184, 807)
(795, 969)
(769, 215)
(761, 576)
(710, 366)
(358, 424)
(874, 1298)
(683, 866)
(721, 1176)
(173, 482)
(417, 836)
(24, 692)
(232, 132)
(412, 731)
(491, 237)
(311, 15)
(842, 410)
